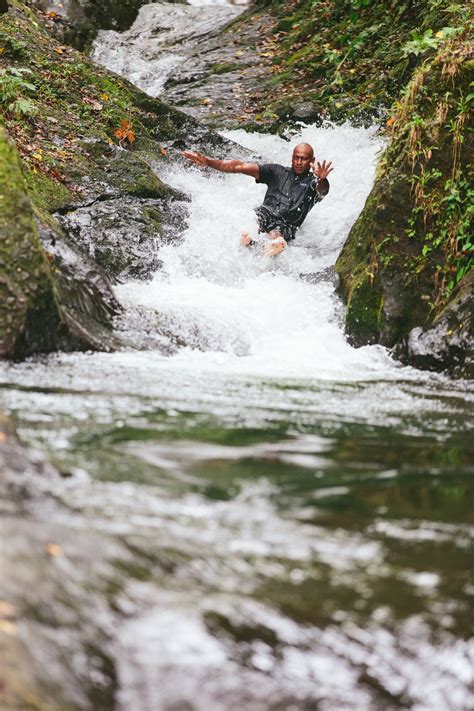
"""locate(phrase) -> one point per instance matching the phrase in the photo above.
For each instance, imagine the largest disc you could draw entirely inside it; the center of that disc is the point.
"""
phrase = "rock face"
(404, 269)
(78, 21)
(449, 343)
(197, 58)
(49, 300)
(125, 212)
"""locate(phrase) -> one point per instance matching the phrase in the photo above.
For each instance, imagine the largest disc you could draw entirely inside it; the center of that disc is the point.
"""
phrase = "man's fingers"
(193, 156)
(324, 169)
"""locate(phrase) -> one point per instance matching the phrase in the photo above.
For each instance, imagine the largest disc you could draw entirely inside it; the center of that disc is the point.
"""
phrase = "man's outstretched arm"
(224, 166)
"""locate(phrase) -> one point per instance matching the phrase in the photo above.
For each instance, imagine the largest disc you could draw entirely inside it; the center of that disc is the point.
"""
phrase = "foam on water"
(262, 315)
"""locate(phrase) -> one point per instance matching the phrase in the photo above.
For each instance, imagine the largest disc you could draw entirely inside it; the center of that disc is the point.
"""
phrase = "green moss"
(25, 281)
(76, 100)
(412, 243)
(351, 60)
(224, 67)
(47, 194)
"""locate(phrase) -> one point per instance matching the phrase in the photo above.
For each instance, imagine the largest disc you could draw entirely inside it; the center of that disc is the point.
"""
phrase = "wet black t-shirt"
(290, 196)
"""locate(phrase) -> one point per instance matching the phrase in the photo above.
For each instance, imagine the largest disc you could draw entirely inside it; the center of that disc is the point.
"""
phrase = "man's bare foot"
(275, 247)
(246, 240)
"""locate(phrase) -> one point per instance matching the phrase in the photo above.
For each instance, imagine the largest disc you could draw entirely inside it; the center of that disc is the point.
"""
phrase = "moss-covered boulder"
(50, 298)
(409, 253)
(26, 289)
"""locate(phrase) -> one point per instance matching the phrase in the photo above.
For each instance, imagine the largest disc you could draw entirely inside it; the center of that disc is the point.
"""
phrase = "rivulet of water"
(156, 44)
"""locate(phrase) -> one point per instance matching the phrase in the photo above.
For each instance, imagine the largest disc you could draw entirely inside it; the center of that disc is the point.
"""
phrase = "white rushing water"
(157, 43)
(262, 315)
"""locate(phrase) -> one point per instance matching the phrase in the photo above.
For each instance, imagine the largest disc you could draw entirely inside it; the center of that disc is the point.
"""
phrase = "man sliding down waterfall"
(291, 192)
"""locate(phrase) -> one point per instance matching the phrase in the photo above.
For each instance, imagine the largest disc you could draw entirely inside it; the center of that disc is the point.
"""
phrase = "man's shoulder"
(271, 171)
(274, 166)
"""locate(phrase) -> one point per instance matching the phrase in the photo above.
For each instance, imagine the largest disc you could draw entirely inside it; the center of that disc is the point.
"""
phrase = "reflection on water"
(311, 549)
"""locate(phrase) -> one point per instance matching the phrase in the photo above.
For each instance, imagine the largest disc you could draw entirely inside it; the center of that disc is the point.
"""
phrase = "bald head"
(303, 156)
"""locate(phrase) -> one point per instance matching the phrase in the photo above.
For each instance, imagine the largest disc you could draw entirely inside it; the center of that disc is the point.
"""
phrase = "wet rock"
(407, 248)
(449, 343)
(78, 21)
(123, 240)
(123, 212)
(48, 301)
(190, 57)
(305, 111)
(86, 302)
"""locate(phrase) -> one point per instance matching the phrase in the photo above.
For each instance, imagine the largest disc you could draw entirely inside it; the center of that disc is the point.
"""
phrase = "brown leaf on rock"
(125, 132)
(93, 103)
(53, 550)
(7, 610)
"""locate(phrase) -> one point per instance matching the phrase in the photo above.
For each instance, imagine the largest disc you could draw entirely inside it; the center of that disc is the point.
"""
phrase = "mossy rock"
(410, 244)
(49, 300)
(26, 289)
(448, 344)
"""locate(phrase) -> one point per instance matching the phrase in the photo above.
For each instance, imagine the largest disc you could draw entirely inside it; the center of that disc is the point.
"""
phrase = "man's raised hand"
(323, 169)
(195, 157)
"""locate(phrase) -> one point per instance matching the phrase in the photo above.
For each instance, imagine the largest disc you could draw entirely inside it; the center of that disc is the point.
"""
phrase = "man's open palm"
(195, 157)
(323, 169)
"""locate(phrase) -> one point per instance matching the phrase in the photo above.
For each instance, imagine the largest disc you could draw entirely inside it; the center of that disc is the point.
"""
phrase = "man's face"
(302, 158)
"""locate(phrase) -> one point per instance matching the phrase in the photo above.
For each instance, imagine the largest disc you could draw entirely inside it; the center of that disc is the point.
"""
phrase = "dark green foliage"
(352, 58)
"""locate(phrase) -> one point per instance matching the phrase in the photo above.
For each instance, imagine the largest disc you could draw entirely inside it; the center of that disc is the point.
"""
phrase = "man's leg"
(276, 245)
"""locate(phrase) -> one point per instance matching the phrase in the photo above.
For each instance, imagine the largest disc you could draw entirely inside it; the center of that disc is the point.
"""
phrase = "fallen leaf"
(8, 628)
(6, 609)
(53, 550)
(59, 50)
(93, 103)
(125, 132)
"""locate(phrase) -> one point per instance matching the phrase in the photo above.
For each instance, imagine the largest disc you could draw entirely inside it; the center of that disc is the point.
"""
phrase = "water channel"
(255, 515)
